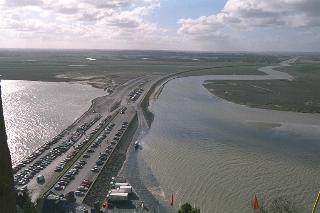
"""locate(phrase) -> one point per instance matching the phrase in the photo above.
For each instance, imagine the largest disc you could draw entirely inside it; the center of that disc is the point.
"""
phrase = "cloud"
(82, 20)
(248, 14)
(238, 17)
(21, 3)
(240, 25)
(291, 13)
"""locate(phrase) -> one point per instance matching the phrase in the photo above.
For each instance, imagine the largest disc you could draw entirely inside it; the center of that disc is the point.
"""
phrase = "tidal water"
(35, 112)
(216, 155)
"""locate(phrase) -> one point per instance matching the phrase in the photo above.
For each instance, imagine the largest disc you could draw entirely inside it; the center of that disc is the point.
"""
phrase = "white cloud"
(249, 14)
(81, 20)
(239, 17)
(240, 25)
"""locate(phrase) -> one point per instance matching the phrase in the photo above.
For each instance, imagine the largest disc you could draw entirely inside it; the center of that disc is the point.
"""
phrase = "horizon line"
(161, 50)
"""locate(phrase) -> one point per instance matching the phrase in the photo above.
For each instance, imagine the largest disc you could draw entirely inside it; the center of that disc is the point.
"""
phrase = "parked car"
(95, 169)
(79, 194)
(59, 187)
(99, 163)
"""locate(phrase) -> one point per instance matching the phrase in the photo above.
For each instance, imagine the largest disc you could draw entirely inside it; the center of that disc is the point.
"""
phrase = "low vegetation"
(299, 95)
(120, 66)
(187, 208)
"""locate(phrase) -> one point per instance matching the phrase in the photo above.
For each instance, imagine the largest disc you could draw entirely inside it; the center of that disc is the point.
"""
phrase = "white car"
(78, 193)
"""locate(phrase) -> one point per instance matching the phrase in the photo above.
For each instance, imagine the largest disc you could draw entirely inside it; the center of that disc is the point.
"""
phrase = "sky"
(198, 25)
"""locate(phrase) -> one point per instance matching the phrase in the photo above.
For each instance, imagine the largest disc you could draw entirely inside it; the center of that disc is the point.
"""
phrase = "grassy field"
(120, 66)
(227, 69)
(300, 95)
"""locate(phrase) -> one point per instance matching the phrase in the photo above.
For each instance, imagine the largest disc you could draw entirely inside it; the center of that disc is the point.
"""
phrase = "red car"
(86, 183)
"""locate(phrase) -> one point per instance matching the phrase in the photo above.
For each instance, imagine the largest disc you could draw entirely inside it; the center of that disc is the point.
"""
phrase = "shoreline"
(156, 94)
(269, 71)
(154, 90)
(145, 103)
(152, 94)
(292, 94)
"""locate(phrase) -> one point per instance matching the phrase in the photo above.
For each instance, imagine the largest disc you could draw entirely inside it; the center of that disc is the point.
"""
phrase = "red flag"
(171, 200)
(255, 203)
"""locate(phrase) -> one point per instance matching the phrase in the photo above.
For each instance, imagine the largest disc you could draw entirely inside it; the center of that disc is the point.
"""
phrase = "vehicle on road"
(86, 182)
(82, 188)
(58, 169)
(103, 157)
(99, 162)
(82, 162)
(90, 151)
(78, 166)
(79, 193)
(95, 169)
(59, 187)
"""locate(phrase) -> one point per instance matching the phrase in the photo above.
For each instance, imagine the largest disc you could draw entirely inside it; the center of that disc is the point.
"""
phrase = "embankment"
(158, 85)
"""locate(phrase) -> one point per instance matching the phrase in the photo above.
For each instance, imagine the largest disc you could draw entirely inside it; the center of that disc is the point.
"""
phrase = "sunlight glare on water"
(35, 112)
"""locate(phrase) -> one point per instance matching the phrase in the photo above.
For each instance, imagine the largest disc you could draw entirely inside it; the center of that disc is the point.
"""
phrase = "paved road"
(36, 189)
(102, 106)
(85, 173)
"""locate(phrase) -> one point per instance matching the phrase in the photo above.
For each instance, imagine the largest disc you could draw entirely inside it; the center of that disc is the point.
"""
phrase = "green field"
(227, 69)
(120, 66)
(300, 95)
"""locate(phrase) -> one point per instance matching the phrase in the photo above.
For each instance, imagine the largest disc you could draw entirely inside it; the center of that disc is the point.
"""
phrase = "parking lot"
(87, 137)
(44, 163)
(85, 170)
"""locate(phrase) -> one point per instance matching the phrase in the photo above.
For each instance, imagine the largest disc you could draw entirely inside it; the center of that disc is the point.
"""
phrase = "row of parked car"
(103, 122)
(78, 147)
(121, 131)
(83, 188)
(27, 174)
(63, 162)
(123, 110)
(83, 128)
(47, 145)
(135, 94)
(69, 175)
(36, 153)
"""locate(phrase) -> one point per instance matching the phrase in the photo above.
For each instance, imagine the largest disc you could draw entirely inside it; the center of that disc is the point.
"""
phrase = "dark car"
(99, 162)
